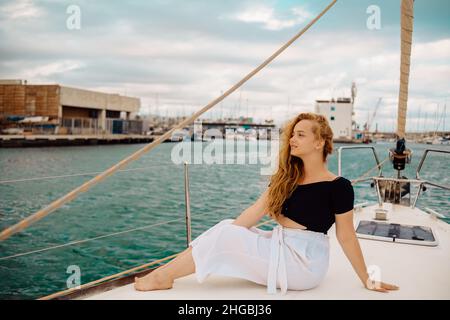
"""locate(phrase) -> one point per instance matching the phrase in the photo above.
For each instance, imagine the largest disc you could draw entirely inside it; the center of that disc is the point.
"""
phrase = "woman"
(305, 199)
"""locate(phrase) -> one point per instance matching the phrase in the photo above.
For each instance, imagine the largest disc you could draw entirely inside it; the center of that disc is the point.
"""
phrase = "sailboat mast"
(407, 17)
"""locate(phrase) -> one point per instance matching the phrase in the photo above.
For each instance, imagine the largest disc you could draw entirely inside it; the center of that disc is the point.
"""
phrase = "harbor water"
(151, 193)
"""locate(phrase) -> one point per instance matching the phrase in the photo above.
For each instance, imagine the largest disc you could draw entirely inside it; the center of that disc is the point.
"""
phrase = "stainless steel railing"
(188, 204)
(340, 149)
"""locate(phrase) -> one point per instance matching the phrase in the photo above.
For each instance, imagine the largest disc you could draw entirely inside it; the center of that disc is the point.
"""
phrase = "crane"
(368, 124)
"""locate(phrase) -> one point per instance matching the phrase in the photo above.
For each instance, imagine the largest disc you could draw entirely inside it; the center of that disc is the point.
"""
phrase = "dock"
(20, 141)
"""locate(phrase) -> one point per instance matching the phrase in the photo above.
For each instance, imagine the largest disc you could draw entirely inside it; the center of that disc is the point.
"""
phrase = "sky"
(178, 55)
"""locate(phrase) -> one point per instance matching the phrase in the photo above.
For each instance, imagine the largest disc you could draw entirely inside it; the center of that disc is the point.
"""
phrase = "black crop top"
(314, 205)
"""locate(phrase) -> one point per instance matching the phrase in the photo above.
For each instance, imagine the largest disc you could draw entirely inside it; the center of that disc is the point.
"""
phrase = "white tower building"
(339, 113)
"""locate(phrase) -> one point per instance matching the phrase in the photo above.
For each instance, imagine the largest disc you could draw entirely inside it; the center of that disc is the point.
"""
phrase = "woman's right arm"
(250, 216)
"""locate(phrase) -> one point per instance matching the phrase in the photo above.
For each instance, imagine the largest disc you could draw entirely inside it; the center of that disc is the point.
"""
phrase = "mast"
(407, 17)
(401, 155)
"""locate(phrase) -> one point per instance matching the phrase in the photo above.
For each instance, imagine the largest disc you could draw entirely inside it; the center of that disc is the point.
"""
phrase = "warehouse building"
(65, 110)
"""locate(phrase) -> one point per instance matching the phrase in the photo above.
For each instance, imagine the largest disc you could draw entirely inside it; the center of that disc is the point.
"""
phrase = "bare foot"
(155, 280)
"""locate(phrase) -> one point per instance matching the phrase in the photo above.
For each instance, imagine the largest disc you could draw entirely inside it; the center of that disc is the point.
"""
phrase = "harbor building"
(57, 109)
(339, 113)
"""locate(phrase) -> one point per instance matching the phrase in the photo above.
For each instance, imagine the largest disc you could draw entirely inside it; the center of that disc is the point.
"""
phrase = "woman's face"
(302, 141)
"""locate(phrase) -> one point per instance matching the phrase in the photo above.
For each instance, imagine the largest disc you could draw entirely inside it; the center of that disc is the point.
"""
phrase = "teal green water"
(133, 199)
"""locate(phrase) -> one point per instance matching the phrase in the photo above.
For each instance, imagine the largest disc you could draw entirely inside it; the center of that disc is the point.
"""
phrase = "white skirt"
(284, 258)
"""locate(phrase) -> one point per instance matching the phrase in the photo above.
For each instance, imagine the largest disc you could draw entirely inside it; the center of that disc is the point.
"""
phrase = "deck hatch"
(394, 232)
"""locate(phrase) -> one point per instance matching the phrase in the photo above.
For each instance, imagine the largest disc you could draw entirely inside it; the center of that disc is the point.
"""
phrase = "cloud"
(267, 17)
(51, 69)
(163, 49)
(433, 51)
(21, 9)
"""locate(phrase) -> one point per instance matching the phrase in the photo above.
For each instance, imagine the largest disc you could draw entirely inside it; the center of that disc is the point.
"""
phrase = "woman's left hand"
(380, 286)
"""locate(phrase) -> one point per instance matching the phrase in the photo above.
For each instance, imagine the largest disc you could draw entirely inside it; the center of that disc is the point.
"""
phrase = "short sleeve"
(342, 196)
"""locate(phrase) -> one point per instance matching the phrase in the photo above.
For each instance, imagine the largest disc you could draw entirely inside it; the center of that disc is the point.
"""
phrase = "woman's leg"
(163, 276)
(182, 265)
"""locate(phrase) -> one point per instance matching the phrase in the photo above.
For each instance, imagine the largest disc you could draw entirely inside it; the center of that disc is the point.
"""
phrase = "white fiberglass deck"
(420, 271)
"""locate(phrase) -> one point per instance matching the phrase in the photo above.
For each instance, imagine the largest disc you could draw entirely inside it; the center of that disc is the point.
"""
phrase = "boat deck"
(421, 272)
